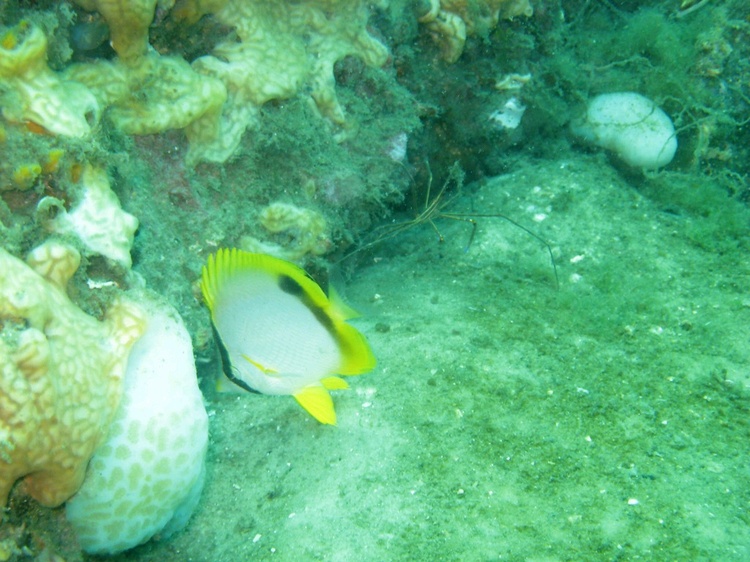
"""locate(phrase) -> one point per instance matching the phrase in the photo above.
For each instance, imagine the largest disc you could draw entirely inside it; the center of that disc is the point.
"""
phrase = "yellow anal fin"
(346, 311)
(318, 403)
(334, 383)
(261, 368)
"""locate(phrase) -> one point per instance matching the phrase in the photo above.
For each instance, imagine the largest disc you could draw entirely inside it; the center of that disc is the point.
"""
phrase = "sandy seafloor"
(509, 419)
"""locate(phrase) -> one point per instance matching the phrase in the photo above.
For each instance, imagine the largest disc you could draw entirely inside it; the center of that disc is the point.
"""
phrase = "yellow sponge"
(61, 373)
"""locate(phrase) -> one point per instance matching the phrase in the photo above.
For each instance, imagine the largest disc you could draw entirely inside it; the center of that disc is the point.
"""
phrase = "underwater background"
(570, 381)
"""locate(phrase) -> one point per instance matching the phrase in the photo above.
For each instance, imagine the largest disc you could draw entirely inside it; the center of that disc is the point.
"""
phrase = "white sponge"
(631, 126)
(148, 475)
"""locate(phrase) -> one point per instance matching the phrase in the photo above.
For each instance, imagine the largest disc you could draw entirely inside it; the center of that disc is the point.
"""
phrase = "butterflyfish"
(278, 331)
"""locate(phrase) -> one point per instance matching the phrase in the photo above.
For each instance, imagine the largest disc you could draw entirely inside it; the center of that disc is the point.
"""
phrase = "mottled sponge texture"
(148, 475)
(61, 374)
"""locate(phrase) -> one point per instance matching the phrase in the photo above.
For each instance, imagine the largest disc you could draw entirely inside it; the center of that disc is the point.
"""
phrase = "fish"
(279, 333)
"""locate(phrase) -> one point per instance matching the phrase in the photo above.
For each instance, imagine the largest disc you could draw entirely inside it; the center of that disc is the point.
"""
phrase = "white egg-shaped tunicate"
(146, 479)
(630, 125)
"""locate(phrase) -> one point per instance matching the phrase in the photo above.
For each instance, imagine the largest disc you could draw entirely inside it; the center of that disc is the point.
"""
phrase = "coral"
(165, 93)
(25, 175)
(451, 21)
(147, 93)
(30, 91)
(61, 373)
(154, 95)
(128, 23)
(448, 30)
(512, 82)
(96, 219)
(144, 92)
(281, 49)
(29, 161)
(306, 229)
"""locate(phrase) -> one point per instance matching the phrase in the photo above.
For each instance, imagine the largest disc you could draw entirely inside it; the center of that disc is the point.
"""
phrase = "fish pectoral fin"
(318, 403)
(265, 370)
(334, 383)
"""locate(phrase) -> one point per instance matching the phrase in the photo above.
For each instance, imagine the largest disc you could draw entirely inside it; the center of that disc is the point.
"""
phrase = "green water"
(509, 419)
(592, 409)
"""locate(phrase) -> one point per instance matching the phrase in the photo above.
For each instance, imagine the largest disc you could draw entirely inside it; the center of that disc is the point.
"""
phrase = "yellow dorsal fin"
(318, 403)
(228, 262)
(340, 306)
(334, 383)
